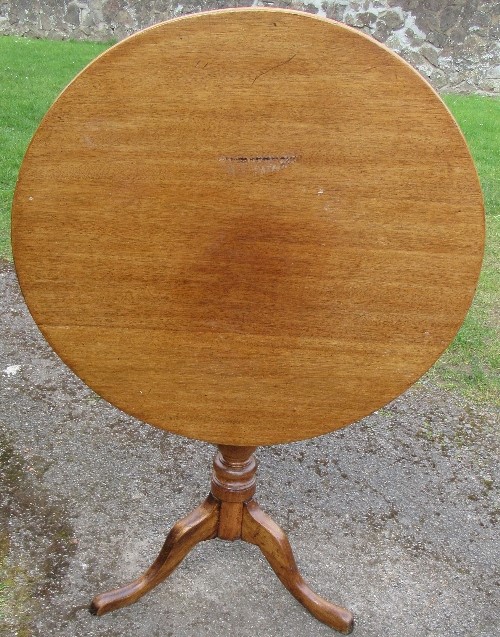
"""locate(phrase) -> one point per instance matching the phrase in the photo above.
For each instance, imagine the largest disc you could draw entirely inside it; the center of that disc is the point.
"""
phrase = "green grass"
(33, 72)
(471, 364)
(479, 119)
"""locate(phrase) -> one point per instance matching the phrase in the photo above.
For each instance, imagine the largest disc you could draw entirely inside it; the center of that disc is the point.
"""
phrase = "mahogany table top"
(248, 226)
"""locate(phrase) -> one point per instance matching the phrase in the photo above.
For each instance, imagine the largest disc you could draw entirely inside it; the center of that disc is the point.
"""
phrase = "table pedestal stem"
(229, 513)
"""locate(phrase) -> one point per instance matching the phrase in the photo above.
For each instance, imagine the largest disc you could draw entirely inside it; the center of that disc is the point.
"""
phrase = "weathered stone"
(356, 6)
(45, 23)
(464, 87)
(73, 14)
(438, 79)
(494, 34)
(457, 35)
(437, 39)
(121, 32)
(87, 23)
(335, 11)
(381, 32)
(430, 54)
(480, 31)
(162, 6)
(414, 38)
(392, 20)
(111, 9)
(427, 21)
(32, 32)
(470, 8)
(433, 5)
(475, 43)
(415, 58)
(367, 18)
(95, 7)
(494, 73)
(394, 43)
(352, 20)
(124, 18)
(311, 8)
(478, 19)
(446, 53)
(449, 17)
(489, 85)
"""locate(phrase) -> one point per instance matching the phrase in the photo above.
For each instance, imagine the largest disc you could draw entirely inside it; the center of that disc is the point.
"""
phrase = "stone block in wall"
(414, 38)
(415, 58)
(457, 35)
(431, 54)
(470, 8)
(427, 21)
(449, 17)
(335, 10)
(111, 10)
(479, 23)
(393, 20)
(437, 38)
(438, 79)
(47, 23)
(72, 15)
(494, 33)
(367, 18)
(405, 5)
(351, 19)
(475, 43)
(433, 5)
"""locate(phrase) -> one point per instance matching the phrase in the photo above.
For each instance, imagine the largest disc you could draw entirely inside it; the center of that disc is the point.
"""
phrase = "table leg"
(229, 513)
(201, 524)
(258, 528)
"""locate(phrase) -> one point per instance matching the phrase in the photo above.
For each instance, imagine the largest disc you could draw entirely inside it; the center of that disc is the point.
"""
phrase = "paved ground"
(393, 517)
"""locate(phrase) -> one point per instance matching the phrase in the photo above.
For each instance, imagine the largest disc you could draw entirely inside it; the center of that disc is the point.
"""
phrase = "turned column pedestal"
(229, 513)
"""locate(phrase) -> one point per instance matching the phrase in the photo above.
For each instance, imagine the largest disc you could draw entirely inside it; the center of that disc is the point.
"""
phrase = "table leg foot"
(258, 528)
(201, 524)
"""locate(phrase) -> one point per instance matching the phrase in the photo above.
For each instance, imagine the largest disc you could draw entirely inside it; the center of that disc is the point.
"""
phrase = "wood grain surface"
(248, 226)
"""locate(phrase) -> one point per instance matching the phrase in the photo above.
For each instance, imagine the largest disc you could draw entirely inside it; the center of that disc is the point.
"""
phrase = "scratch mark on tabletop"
(259, 165)
(284, 158)
(276, 66)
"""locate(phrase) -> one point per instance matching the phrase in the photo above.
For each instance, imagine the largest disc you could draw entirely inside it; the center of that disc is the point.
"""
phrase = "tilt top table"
(247, 227)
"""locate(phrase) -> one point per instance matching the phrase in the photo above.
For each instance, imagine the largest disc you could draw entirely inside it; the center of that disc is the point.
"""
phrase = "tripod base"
(229, 513)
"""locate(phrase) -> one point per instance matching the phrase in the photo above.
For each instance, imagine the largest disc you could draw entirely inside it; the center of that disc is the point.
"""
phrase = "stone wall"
(454, 43)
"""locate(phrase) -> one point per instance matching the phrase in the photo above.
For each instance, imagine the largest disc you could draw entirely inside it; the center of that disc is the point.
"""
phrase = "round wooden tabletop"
(248, 226)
